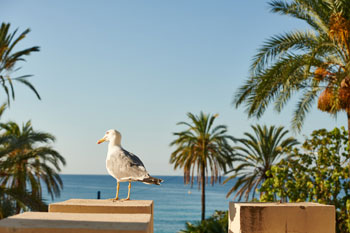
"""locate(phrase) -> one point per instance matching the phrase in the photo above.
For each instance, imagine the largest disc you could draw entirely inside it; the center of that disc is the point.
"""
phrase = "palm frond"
(286, 64)
(9, 60)
(255, 156)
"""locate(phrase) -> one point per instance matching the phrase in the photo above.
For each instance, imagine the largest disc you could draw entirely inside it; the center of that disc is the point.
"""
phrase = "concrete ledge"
(40, 222)
(103, 206)
(281, 217)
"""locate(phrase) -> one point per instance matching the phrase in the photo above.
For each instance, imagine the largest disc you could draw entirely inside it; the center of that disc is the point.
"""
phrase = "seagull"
(123, 165)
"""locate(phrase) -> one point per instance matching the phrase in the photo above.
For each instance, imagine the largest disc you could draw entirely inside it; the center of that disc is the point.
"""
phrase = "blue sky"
(139, 67)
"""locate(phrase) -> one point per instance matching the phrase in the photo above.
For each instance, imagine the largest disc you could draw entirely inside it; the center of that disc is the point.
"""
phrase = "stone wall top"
(278, 204)
(103, 206)
(41, 222)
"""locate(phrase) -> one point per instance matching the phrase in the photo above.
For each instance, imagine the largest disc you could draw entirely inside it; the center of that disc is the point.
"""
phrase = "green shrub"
(217, 223)
(318, 172)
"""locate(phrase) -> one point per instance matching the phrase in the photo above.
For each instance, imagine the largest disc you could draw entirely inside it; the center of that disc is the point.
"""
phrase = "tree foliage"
(27, 161)
(26, 158)
(255, 155)
(319, 172)
(12, 198)
(9, 60)
(217, 223)
(312, 64)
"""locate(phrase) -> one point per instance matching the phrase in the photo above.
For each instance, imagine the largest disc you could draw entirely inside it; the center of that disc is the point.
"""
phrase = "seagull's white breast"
(113, 153)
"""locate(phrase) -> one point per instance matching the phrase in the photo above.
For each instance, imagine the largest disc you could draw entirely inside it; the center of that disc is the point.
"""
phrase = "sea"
(174, 202)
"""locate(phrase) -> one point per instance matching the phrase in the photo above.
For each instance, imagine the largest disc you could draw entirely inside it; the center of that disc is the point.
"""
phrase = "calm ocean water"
(174, 203)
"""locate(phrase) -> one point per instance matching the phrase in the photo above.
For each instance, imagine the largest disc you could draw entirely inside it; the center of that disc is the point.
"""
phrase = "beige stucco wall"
(41, 222)
(281, 218)
(104, 206)
(85, 216)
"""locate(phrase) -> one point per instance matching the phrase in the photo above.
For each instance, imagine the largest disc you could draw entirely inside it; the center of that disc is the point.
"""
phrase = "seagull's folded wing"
(131, 167)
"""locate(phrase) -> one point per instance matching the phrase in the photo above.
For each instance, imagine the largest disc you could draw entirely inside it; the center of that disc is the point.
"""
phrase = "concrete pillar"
(302, 217)
(104, 206)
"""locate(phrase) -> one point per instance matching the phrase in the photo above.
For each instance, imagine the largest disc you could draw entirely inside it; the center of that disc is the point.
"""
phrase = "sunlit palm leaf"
(9, 60)
(285, 64)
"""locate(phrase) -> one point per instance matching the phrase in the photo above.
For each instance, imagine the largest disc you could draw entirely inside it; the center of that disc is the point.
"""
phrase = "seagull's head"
(112, 136)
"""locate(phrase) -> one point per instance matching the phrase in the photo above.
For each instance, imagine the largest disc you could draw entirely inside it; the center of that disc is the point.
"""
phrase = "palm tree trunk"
(348, 114)
(203, 192)
(20, 187)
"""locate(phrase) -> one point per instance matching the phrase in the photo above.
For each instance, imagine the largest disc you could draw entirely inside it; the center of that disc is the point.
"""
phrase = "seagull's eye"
(107, 132)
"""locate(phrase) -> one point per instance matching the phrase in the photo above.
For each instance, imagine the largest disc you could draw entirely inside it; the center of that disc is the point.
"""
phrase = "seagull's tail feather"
(152, 180)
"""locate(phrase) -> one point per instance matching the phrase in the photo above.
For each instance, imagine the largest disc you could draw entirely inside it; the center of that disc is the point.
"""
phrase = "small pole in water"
(98, 194)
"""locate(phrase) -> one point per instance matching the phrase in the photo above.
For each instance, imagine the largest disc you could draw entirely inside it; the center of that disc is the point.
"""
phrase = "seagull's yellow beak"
(101, 140)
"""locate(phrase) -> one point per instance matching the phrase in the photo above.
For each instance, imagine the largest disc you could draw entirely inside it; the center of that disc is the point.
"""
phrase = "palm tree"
(202, 148)
(255, 157)
(11, 196)
(314, 63)
(10, 58)
(26, 161)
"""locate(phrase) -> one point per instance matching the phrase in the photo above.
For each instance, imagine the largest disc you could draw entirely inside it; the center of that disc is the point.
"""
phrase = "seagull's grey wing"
(133, 167)
(134, 160)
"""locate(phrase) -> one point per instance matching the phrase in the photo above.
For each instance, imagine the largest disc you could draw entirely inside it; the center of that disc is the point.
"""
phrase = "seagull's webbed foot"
(125, 199)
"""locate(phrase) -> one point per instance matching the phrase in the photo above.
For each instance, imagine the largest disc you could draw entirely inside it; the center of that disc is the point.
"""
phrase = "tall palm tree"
(9, 60)
(255, 157)
(26, 161)
(202, 148)
(314, 63)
